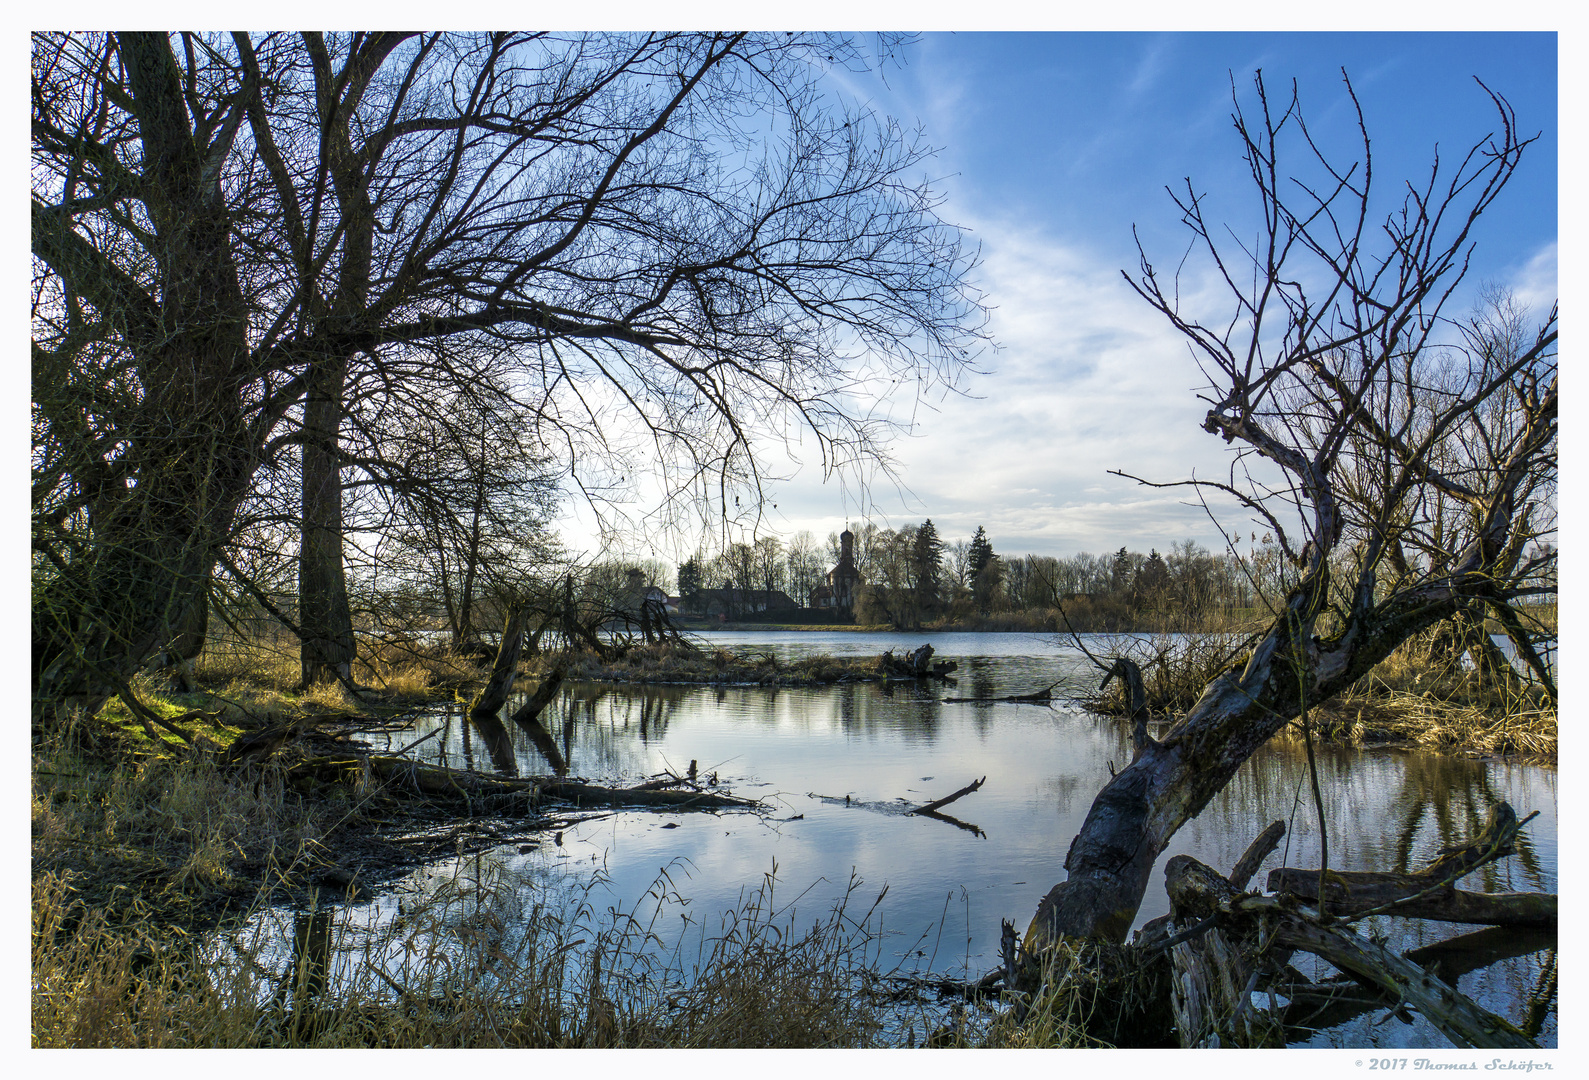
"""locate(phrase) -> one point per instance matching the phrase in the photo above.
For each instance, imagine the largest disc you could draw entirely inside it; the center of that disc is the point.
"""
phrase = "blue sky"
(1053, 146)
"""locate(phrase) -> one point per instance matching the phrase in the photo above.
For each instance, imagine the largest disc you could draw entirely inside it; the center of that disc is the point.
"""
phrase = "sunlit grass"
(475, 962)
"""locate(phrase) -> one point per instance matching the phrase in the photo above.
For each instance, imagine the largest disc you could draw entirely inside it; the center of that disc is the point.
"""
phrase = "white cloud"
(1535, 283)
(1088, 379)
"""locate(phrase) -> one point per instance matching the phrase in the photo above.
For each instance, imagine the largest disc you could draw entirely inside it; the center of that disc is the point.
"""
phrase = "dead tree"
(916, 664)
(1323, 374)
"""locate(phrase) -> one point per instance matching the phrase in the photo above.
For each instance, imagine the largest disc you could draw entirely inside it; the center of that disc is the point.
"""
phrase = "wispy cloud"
(1088, 379)
(1535, 282)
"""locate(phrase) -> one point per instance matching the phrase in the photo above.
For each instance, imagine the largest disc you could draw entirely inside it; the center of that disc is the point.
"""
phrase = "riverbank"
(149, 854)
(144, 847)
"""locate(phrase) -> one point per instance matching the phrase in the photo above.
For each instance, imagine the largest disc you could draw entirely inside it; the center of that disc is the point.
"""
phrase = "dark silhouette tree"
(691, 580)
(981, 551)
(1324, 366)
(927, 560)
(236, 238)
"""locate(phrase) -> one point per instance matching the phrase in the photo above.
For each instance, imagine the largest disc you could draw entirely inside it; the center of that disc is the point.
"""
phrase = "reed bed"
(476, 962)
(1419, 695)
(148, 836)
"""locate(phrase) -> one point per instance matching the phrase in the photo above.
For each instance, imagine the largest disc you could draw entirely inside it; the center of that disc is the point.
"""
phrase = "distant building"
(731, 602)
(837, 592)
(638, 594)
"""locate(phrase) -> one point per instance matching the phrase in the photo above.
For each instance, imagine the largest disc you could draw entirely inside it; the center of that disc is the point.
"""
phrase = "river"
(836, 767)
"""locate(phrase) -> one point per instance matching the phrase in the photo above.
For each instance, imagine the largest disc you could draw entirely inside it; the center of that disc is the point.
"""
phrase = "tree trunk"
(1353, 893)
(1199, 892)
(326, 651)
(1136, 814)
(187, 446)
(489, 702)
(184, 643)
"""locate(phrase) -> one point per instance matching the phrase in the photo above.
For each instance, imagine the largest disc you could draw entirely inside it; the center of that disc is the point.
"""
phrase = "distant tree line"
(747, 575)
(913, 578)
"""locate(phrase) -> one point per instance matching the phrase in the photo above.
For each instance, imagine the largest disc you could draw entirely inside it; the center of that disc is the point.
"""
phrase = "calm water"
(836, 767)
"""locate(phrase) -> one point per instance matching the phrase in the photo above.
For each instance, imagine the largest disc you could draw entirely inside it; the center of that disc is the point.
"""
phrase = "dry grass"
(151, 836)
(471, 963)
(1175, 669)
(401, 667)
(1438, 724)
(1414, 696)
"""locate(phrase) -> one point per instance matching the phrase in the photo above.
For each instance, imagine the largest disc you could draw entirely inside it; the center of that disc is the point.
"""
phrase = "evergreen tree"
(1120, 572)
(981, 553)
(1153, 579)
(690, 577)
(927, 560)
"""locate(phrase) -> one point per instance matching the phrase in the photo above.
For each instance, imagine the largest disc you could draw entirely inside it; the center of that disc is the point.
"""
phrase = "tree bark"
(528, 713)
(1136, 814)
(1431, 893)
(324, 616)
(188, 445)
(184, 643)
(489, 702)
(1316, 1006)
(1355, 893)
(1199, 891)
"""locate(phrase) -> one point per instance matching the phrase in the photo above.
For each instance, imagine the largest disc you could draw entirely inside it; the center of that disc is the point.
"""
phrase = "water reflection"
(819, 758)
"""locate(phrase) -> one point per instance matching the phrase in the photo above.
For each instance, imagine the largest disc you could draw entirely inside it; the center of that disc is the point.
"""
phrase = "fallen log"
(1198, 891)
(587, 794)
(1350, 894)
(438, 780)
(947, 799)
(1256, 853)
(1315, 1006)
(956, 822)
(1040, 697)
(1430, 893)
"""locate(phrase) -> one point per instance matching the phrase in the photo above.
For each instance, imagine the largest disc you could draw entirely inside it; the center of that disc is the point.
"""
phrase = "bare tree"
(806, 568)
(460, 496)
(1322, 370)
(682, 239)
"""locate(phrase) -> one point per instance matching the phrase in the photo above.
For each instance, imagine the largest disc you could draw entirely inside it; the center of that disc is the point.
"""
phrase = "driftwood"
(1199, 892)
(436, 780)
(593, 794)
(1430, 893)
(947, 799)
(1040, 697)
(1349, 894)
(1315, 1006)
(1212, 980)
(949, 820)
(1233, 943)
(1211, 996)
(932, 808)
(1256, 853)
(916, 664)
